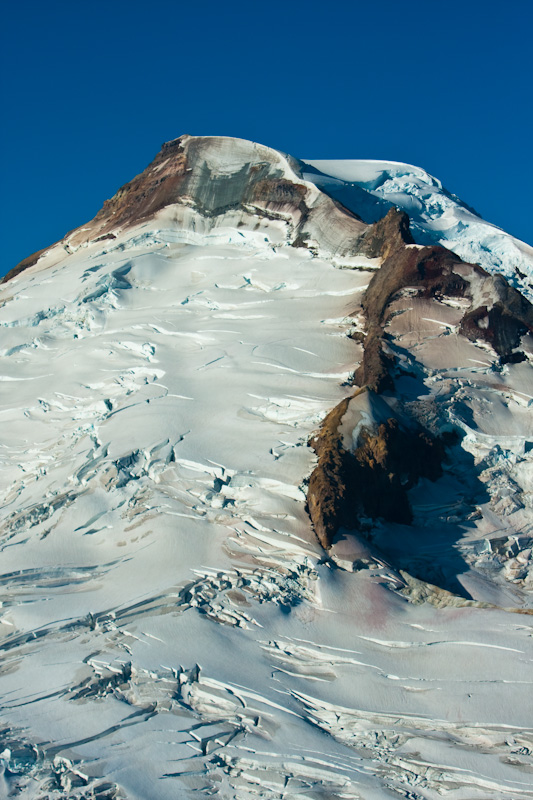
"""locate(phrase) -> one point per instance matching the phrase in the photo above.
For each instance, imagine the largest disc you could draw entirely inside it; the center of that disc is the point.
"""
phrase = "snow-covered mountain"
(267, 475)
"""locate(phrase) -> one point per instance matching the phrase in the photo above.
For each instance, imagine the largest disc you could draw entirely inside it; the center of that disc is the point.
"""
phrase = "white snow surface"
(170, 626)
(437, 216)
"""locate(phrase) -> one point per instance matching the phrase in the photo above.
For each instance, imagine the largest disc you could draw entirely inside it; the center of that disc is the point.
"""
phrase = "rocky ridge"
(372, 479)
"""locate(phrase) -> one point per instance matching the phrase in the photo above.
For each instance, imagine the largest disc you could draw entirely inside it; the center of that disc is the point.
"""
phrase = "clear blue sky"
(91, 90)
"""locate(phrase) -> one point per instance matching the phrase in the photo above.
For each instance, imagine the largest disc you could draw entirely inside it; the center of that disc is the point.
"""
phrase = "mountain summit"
(267, 476)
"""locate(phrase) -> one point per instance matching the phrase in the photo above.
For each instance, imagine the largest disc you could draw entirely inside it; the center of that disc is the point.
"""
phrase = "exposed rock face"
(370, 480)
(373, 480)
(387, 463)
(436, 215)
(26, 263)
(387, 235)
(430, 268)
(328, 493)
(501, 320)
(211, 181)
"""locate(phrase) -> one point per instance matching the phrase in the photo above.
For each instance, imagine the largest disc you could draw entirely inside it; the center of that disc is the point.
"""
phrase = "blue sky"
(90, 91)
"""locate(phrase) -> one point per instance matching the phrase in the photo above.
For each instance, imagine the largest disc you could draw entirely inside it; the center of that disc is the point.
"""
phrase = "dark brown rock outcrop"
(386, 464)
(327, 490)
(26, 263)
(387, 235)
(435, 272)
(428, 268)
(504, 323)
(371, 481)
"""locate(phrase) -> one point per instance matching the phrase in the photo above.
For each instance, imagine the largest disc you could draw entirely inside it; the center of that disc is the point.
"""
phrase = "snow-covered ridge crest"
(437, 216)
(222, 182)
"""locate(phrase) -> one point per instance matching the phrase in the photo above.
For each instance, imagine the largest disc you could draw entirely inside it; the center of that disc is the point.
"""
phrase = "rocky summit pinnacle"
(267, 490)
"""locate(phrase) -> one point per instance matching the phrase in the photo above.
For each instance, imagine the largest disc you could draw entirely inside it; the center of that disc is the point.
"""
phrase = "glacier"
(171, 625)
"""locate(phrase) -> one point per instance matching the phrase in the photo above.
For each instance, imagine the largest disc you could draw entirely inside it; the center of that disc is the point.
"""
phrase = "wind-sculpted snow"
(171, 626)
(437, 216)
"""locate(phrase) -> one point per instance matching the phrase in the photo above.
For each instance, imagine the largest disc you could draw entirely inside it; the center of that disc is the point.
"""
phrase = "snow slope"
(437, 216)
(170, 625)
